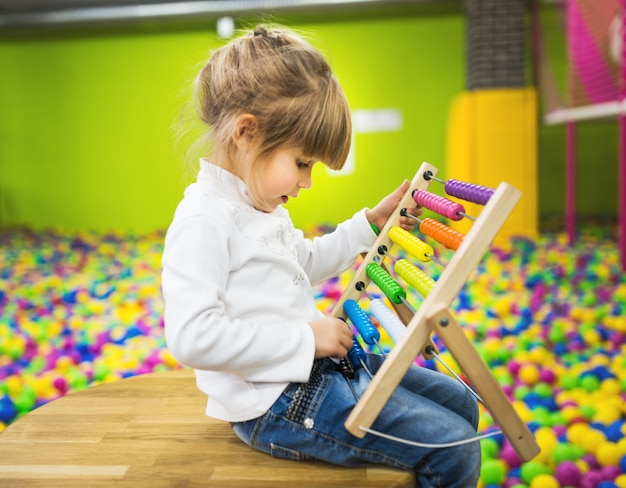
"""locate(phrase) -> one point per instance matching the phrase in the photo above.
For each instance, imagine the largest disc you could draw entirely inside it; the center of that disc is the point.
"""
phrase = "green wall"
(596, 170)
(88, 120)
(85, 130)
(86, 126)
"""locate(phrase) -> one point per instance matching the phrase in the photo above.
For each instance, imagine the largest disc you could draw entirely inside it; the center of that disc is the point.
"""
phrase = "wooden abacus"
(434, 314)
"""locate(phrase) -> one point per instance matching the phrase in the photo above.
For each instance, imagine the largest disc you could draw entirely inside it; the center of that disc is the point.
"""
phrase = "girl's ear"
(245, 130)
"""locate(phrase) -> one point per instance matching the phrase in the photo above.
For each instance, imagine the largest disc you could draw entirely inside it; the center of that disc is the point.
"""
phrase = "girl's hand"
(333, 337)
(381, 212)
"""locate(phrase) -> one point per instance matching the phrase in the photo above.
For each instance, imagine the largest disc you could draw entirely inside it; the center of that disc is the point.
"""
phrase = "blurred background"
(93, 94)
(95, 138)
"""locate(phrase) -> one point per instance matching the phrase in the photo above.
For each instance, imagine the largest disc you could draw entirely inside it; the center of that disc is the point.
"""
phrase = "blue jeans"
(307, 422)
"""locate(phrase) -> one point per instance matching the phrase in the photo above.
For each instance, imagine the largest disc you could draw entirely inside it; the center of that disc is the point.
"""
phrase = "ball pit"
(76, 309)
(82, 308)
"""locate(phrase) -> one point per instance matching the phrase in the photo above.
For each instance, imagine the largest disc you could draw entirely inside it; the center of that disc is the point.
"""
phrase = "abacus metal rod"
(428, 175)
(366, 369)
(380, 348)
(383, 250)
(404, 213)
(470, 192)
(361, 287)
(408, 305)
(394, 327)
(431, 350)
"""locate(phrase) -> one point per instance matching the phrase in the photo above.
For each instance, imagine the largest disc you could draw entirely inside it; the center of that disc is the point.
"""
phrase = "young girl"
(238, 277)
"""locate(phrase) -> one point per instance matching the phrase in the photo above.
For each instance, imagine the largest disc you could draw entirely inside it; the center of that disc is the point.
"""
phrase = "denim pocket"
(308, 396)
(286, 453)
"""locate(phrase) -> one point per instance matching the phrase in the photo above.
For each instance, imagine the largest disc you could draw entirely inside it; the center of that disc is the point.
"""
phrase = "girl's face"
(279, 176)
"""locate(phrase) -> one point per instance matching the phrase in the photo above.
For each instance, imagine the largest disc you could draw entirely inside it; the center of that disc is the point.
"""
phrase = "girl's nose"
(306, 181)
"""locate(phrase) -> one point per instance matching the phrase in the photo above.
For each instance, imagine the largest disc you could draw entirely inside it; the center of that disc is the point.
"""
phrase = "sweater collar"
(229, 186)
(223, 182)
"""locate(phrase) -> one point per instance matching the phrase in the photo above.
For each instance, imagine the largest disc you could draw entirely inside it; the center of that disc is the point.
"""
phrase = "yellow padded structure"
(492, 137)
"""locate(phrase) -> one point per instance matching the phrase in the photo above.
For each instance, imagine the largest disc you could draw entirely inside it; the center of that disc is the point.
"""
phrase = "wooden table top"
(150, 431)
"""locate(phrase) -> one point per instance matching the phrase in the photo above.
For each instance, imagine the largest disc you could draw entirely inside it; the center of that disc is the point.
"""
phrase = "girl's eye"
(302, 164)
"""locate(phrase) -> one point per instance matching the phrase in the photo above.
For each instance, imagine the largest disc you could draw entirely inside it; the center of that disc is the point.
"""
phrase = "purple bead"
(468, 191)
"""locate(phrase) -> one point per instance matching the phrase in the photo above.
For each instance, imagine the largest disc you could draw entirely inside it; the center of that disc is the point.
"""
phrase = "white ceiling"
(9, 6)
(18, 14)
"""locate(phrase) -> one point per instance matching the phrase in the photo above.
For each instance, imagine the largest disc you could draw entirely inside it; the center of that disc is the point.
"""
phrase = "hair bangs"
(317, 120)
(327, 133)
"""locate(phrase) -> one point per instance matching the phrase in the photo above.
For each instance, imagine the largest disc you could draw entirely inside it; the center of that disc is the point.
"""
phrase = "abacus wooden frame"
(434, 316)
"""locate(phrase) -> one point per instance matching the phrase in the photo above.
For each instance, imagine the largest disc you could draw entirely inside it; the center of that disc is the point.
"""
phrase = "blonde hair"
(281, 79)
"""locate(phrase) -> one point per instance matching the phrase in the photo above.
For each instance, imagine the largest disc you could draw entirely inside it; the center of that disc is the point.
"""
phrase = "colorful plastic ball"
(509, 455)
(558, 421)
(77, 379)
(607, 415)
(543, 390)
(63, 363)
(592, 440)
(620, 481)
(591, 461)
(614, 432)
(531, 469)
(610, 472)
(512, 482)
(588, 411)
(521, 391)
(592, 479)
(542, 416)
(14, 347)
(576, 432)
(60, 384)
(168, 359)
(489, 448)
(101, 371)
(514, 366)
(492, 472)
(26, 399)
(559, 431)
(548, 442)
(523, 411)
(547, 376)
(567, 473)
(12, 385)
(622, 445)
(610, 386)
(608, 454)
(544, 481)
(566, 452)
(502, 375)
(569, 382)
(528, 374)
(7, 410)
(539, 355)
